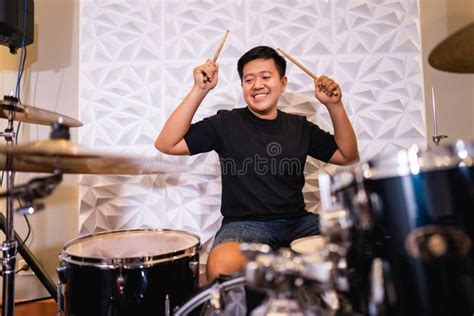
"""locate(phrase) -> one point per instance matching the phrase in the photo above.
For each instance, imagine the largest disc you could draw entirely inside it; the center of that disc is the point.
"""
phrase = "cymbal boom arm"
(36, 188)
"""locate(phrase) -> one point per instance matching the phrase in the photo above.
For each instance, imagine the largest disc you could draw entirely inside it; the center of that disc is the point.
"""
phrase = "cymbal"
(455, 53)
(30, 114)
(66, 157)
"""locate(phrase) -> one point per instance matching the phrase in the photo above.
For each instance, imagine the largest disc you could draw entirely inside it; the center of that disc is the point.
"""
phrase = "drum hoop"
(379, 173)
(130, 262)
(124, 263)
(303, 239)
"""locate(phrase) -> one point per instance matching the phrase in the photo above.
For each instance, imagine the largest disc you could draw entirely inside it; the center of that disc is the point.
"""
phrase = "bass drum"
(129, 272)
(425, 219)
(225, 296)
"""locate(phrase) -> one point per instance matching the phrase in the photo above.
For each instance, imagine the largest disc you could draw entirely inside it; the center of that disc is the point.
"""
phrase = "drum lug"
(167, 305)
(194, 266)
(120, 284)
(376, 287)
(362, 204)
(63, 273)
(376, 204)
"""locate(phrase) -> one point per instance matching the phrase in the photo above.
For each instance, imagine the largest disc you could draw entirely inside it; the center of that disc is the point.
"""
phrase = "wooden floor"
(39, 308)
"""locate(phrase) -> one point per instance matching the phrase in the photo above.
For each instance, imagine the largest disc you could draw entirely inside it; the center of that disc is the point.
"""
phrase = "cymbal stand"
(10, 245)
(36, 188)
(436, 137)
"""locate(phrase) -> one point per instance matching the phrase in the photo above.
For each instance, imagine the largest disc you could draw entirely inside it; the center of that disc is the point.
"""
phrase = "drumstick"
(221, 45)
(301, 66)
(218, 51)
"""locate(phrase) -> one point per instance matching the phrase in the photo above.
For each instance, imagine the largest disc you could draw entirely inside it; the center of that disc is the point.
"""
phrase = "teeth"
(260, 96)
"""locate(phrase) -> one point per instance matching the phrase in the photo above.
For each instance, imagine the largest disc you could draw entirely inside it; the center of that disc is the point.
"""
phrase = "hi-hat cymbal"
(66, 157)
(30, 114)
(455, 53)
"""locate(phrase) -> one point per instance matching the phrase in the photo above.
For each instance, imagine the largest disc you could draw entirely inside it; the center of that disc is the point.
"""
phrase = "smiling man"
(262, 151)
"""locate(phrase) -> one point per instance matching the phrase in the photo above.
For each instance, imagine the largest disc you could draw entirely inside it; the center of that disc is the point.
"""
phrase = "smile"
(260, 96)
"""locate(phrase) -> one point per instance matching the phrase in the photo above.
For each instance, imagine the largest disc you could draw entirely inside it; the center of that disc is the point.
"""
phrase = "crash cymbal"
(455, 53)
(30, 114)
(66, 157)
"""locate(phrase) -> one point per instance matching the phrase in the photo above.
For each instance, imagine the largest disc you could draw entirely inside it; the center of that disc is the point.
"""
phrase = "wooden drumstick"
(221, 45)
(301, 66)
(218, 51)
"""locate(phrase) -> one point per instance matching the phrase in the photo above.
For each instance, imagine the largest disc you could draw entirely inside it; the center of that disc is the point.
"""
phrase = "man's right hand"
(206, 75)
(171, 139)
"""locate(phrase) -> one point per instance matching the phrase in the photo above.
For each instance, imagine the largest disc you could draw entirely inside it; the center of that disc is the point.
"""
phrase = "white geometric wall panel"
(136, 61)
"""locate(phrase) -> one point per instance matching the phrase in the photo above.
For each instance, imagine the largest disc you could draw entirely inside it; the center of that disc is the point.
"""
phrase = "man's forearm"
(179, 122)
(344, 133)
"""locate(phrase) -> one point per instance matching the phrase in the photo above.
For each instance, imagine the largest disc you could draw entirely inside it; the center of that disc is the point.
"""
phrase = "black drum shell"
(93, 291)
(442, 198)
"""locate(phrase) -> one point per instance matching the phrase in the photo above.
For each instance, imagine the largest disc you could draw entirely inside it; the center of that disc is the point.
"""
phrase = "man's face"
(262, 86)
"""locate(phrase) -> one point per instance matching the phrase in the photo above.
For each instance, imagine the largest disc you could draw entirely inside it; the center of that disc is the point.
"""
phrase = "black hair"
(262, 52)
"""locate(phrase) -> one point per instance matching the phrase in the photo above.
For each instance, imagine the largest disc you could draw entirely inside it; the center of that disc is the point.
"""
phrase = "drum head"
(308, 245)
(135, 245)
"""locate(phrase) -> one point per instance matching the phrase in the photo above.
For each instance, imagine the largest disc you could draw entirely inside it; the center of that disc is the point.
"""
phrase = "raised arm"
(328, 92)
(171, 139)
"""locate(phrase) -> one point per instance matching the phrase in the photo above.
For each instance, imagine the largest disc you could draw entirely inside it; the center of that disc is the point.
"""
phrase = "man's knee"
(226, 259)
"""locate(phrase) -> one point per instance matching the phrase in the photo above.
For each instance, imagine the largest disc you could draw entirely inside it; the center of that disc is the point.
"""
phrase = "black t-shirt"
(262, 161)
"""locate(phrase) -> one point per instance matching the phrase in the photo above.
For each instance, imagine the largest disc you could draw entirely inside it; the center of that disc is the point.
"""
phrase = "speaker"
(13, 25)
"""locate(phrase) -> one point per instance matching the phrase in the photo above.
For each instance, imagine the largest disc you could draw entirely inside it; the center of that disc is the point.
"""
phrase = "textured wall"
(136, 61)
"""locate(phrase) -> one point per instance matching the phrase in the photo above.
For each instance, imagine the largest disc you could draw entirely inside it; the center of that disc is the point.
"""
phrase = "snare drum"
(129, 272)
(308, 245)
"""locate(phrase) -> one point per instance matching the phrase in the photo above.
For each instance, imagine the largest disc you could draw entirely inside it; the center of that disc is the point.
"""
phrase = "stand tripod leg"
(39, 271)
(8, 273)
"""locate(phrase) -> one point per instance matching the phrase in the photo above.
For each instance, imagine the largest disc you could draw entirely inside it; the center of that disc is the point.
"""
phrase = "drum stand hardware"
(286, 277)
(436, 137)
(337, 223)
(205, 295)
(216, 301)
(9, 246)
(59, 300)
(36, 188)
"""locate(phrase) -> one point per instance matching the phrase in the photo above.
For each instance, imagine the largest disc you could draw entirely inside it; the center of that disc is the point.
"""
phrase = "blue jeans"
(274, 232)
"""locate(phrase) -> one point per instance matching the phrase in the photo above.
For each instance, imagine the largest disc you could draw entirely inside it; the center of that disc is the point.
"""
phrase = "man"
(262, 153)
